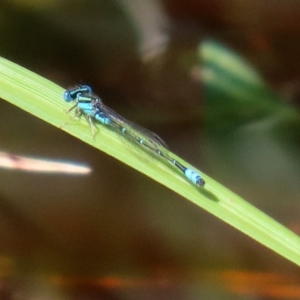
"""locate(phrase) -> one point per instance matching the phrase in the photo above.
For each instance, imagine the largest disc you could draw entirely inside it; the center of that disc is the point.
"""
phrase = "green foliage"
(43, 99)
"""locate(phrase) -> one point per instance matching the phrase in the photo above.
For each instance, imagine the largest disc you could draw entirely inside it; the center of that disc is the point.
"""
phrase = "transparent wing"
(141, 132)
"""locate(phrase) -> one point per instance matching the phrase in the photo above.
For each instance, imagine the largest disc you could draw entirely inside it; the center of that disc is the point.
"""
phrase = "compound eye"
(86, 89)
(67, 96)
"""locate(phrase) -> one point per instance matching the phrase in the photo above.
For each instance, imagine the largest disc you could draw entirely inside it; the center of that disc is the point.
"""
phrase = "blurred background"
(219, 82)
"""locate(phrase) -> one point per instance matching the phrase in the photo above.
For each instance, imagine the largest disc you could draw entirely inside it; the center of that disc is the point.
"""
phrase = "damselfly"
(92, 107)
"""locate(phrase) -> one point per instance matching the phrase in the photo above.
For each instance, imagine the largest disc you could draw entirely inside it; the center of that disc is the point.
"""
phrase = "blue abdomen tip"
(194, 177)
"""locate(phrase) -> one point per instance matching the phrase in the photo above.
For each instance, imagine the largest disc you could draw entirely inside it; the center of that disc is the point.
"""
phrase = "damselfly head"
(72, 94)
